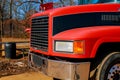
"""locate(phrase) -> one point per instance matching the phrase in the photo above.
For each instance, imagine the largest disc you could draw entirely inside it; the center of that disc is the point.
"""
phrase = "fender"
(101, 41)
(93, 36)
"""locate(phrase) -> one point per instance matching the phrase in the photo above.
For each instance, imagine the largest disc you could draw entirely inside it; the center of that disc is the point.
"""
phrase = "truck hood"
(88, 32)
(80, 9)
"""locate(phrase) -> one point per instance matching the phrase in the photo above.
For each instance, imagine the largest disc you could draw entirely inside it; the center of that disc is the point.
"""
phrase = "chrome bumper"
(60, 69)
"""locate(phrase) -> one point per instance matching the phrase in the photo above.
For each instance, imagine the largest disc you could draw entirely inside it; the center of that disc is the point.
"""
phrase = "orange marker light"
(78, 47)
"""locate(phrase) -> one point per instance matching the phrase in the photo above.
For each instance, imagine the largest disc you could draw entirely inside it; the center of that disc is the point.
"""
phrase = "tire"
(109, 69)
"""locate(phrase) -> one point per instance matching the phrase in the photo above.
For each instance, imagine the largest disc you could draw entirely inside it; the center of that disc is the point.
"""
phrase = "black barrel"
(10, 50)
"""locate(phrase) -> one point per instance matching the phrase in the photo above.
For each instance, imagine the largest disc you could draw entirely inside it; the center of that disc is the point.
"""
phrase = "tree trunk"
(2, 5)
(11, 27)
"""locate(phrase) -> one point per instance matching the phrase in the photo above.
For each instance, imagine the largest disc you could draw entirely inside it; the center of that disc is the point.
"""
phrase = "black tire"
(109, 69)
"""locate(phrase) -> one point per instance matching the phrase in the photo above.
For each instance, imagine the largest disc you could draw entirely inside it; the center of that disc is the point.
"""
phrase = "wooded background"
(15, 15)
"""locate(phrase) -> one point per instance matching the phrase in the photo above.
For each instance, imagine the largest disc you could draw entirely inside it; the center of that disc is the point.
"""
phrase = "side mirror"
(28, 30)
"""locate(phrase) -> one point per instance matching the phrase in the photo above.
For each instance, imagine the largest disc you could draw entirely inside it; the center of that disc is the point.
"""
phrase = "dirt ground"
(27, 76)
(19, 70)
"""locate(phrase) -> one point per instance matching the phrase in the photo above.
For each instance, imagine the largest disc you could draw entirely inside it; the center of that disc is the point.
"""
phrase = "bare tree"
(11, 27)
(2, 11)
(15, 14)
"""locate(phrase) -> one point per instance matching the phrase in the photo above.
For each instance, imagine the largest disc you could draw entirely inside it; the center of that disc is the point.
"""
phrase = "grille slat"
(42, 23)
(39, 33)
(41, 39)
(39, 47)
(41, 28)
(38, 41)
(40, 44)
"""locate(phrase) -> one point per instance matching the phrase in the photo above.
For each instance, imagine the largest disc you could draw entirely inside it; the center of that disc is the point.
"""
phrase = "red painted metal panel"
(93, 37)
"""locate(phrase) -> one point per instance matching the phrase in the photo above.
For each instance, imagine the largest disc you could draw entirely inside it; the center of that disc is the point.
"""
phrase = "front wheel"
(109, 69)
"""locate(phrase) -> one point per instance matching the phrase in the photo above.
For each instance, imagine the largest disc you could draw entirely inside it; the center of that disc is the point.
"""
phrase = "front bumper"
(60, 69)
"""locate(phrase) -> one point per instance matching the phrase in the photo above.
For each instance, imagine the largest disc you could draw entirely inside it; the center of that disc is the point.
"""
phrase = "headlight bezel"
(81, 49)
(63, 41)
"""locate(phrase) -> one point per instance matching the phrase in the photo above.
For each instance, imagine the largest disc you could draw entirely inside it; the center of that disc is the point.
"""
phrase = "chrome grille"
(39, 33)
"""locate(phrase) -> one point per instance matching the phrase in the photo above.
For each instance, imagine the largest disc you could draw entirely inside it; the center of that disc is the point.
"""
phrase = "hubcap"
(114, 72)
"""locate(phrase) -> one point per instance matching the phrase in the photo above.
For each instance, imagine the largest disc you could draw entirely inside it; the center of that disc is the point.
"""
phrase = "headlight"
(64, 46)
(76, 47)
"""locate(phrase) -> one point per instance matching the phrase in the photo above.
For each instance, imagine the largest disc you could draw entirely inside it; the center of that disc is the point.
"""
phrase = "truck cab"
(78, 42)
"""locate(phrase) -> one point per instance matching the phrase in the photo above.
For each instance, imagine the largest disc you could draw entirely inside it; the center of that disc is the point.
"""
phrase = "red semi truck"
(77, 42)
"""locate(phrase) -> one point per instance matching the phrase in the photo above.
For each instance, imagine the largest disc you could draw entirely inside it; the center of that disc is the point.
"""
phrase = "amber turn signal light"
(78, 47)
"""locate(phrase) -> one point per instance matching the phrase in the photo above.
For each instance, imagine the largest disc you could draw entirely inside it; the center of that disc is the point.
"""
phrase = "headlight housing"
(64, 46)
(76, 47)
